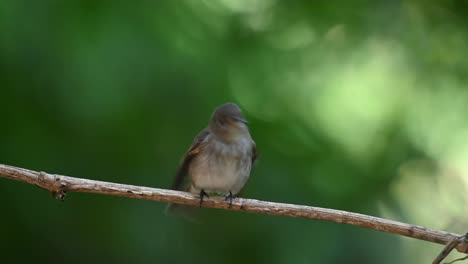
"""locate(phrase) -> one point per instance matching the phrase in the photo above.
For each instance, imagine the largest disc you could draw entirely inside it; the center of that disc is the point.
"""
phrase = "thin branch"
(59, 185)
(448, 248)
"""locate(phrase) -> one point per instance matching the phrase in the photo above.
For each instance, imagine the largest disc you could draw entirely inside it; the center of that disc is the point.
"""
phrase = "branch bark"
(60, 184)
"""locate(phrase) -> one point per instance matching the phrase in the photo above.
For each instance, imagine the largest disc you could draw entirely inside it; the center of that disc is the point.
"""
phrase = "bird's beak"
(240, 119)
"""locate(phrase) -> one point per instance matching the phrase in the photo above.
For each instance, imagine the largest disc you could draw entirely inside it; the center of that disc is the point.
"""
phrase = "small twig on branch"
(449, 247)
(59, 185)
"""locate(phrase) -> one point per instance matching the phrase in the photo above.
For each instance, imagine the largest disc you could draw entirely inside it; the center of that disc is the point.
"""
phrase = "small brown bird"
(220, 158)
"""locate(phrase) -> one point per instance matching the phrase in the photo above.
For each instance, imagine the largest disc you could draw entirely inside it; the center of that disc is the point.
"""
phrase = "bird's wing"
(254, 153)
(197, 145)
(254, 158)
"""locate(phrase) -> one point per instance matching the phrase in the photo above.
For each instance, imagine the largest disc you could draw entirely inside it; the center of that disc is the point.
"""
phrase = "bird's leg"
(229, 197)
(202, 195)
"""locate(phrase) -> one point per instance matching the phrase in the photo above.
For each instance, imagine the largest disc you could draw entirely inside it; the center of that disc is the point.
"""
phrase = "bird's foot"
(229, 198)
(203, 194)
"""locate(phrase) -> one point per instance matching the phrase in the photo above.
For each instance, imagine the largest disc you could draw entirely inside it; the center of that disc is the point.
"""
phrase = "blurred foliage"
(358, 105)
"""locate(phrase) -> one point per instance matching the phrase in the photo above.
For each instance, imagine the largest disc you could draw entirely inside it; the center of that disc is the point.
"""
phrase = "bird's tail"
(188, 213)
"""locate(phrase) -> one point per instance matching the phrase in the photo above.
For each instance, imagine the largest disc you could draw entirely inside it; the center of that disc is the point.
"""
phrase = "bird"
(220, 157)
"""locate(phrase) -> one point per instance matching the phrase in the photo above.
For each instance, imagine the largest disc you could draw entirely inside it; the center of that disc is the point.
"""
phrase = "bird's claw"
(202, 195)
(229, 198)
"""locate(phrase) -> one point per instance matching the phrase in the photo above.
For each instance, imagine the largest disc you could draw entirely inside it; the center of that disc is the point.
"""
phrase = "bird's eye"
(220, 122)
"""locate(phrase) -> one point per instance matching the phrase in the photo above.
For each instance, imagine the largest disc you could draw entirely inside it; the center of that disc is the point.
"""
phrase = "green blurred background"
(357, 105)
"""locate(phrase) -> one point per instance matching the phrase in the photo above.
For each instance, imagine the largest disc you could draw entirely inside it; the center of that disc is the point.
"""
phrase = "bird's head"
(228, 122)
